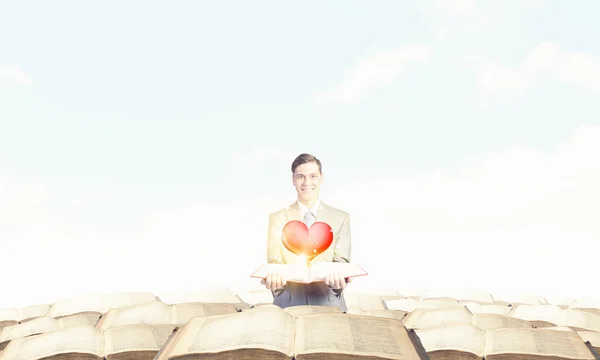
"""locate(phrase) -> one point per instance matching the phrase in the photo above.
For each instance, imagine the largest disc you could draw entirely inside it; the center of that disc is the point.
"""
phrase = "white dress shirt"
(304, 209)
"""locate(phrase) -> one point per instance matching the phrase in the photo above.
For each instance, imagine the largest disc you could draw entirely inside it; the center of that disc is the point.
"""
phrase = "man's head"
(307, 177)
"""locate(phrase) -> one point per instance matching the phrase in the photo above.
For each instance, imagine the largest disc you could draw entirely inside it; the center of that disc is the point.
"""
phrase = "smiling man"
(307, 178)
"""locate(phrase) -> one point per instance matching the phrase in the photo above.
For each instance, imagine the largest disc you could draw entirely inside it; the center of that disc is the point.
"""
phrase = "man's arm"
(274, 255)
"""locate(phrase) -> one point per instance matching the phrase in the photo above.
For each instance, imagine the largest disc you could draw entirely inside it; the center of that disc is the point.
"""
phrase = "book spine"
(416, 341)
(166, 344)
(592, 350)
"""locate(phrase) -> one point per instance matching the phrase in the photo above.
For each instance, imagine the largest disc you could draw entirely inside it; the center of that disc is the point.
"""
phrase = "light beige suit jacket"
(339, 251)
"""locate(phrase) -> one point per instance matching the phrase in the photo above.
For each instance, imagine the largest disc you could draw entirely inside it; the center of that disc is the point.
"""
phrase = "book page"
(77, 304)
(10, 314)
(299, 310)
(320, 269)
(408, 305)
(549, 313)
(33, 311)
(153, 312)
(392, 314)
(559, 328)
(97, 302)
(425, 318)
(259, 296)
(536, 342)
(35, 326)
(586, 304)
(291, 272)
(182, 313)
(81, 339)
(494, 321)
(259, 328)
(208, 295)
(461, 336)
(79, 319)
(581, 319)
(476, 308)
(131, 338)
(363, 301)
(592, 336)
(458, 294)
(353, 334)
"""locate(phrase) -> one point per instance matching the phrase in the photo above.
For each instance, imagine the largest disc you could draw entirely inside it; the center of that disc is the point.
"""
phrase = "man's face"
(307, 180)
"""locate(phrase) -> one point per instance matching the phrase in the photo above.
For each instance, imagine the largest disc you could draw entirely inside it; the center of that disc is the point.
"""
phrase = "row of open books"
(300, 332)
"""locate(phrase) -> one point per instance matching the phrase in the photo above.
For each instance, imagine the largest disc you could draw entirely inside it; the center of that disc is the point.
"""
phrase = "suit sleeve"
(343, 246)
(274, 242)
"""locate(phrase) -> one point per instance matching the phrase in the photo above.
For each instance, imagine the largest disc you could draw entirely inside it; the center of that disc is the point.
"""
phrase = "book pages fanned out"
(476, 308)
(159, 313)
(392, 314)
(23, 314)
(463, 338)
(409, 305)
(300, 310)
(495, 321)
(426, 318)
(458, 294)
(97, 303)
(210, 295)
(357, 335)
(81, 339)
(267, 330)
(134, 338)
(592, 336)
(140, 342)
(538, 342)
(553, 315)
(35, 326)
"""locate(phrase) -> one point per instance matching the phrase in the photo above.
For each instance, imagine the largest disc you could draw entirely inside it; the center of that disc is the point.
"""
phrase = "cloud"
(547, 59)
(376, 70)
(520, 221)
(456, 17)
(450, 18)
(259, 156)
(13, 75)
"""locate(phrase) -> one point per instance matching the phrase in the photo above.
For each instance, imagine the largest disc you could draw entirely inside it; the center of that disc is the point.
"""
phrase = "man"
(307, 177)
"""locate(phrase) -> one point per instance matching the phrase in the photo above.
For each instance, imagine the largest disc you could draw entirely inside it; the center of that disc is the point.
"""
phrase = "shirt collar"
(313, 209)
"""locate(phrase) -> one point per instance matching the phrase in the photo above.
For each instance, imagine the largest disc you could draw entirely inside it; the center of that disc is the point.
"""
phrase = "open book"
(467, 341)
(86, 342)
(43, 324)
(269, 332)
(159, 313)
(12, 316)
(316, 271)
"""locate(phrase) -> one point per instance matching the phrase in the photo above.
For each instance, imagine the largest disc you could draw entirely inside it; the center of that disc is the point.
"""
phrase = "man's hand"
(336, 281)
(274, 281)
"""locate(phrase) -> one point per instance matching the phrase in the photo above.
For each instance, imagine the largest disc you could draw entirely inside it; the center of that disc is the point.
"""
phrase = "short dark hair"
(304, 159)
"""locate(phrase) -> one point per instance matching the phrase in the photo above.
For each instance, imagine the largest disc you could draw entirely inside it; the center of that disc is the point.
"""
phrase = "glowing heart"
(298, 239)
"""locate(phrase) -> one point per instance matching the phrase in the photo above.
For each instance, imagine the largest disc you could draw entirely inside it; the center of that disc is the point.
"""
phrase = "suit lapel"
(323, 215)
(293, 212)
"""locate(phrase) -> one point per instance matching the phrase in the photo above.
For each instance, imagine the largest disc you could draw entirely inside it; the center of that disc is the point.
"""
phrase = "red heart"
(310, 243)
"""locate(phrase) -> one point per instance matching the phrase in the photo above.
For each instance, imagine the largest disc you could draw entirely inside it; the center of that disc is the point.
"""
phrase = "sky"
(144, 144)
